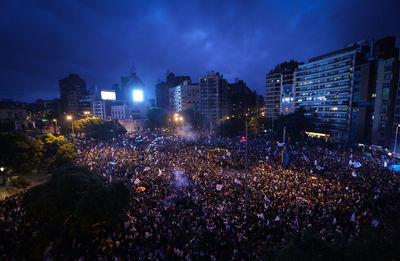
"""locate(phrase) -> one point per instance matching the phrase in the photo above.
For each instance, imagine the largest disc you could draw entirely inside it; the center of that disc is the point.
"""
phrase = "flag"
(285, 159)
(146, 169)
(112, 163)
(303, 199)
(334, 221)
(261, 216)
(353, 217)
(296, 223)
(354, 174)
(159, 172)
(219, 187)
(305, 158)
(266, 198)
(385, 164)
(319, 167)
(277, 218)
(315, 162)
(237, 181)
(137, 181)
(355, 164)
(375, 223)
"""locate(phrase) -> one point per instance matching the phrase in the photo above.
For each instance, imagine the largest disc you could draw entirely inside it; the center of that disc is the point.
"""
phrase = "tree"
(257, 124)
(156, 118)
(56, 151)
(76, 197)
(20, 154)
(232, 127)
(295, 123)
(99, 129)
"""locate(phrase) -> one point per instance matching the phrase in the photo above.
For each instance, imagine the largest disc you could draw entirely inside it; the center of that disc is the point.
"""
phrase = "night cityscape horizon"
(200, 130)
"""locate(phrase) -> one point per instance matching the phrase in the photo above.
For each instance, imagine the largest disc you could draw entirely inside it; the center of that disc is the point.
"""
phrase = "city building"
(124, 90)
(73, 94)
(279, 89)
(324, 87)
(386, 115)
(101, 109)
(184, 96)
(162, 89)
(242, 99)
(13, 119)
(214, 97)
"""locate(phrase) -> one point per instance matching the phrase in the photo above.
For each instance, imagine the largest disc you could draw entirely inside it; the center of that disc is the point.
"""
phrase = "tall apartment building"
(279, 89)
(72, 90)
(242, 99)
(184, 96)
(162, 89)
(386, 114)
(324, 87)
(214, 97)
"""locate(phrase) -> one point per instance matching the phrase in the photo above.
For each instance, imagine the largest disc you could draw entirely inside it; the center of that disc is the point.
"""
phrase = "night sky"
(43, 41)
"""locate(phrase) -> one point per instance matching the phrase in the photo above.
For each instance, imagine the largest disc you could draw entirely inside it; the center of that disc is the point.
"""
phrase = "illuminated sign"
(316, 134)
(108, 95)
(137, 95)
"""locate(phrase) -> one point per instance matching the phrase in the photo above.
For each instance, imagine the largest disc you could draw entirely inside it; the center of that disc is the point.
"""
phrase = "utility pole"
(245, 188)
(284, 133)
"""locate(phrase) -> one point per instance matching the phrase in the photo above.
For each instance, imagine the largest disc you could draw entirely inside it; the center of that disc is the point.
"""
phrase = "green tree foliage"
(258, 124)
(156, 118)
(20, 182)
(77, 200)
(194, 118)
(232, 127)
(20, 154)
(295, 123)
(56, 151)
(97, 128)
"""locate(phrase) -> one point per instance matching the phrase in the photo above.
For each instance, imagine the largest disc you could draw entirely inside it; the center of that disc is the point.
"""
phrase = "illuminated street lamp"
(395, 140)
(69, 117)
(55, 126)
(87, 113)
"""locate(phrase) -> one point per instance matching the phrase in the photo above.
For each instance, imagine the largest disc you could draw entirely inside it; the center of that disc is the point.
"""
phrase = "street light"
(69, 117)
(395, 140)
(87, 113)
(55, 126)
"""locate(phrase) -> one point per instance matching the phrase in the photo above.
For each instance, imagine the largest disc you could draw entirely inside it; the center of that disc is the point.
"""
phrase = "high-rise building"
(279, 89)
(128, 84)
(242, 99)
(72, 90)
(162, 89)
(386, 93)
(324, 87)
(184, 96)
(214, 98)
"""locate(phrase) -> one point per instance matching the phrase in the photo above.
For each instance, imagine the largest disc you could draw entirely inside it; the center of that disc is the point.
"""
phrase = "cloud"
(46, 40)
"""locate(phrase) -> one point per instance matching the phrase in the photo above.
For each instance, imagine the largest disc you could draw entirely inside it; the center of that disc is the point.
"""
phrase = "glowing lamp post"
(87, 113)
(70, 118)
(55, 126)
(395, 140)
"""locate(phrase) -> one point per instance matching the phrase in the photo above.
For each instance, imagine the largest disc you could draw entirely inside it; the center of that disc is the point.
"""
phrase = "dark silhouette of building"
(278, 86)
(72, 91)
(124, 90)
(162, 89)
(242, 99)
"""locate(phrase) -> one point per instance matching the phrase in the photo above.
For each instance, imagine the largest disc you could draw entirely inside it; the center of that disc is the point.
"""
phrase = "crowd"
(187, 199)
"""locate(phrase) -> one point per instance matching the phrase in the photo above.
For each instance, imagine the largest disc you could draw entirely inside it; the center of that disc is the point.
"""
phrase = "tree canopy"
(99, 129)
(156, 118)
(78, 198)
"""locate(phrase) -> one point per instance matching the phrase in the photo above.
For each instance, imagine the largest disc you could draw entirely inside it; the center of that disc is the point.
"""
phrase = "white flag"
(354, 174)
(266, 198)
(353, 217)
(219, 187)
(137, 181)
(159, 172)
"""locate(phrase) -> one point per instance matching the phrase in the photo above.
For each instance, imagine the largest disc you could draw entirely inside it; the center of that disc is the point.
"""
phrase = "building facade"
(184, 96)
(214, 98)
(279, 90)
(324, 87)
(72, 91)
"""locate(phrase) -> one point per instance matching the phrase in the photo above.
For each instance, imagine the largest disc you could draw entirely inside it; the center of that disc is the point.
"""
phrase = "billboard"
(108, 95)
(137, 95)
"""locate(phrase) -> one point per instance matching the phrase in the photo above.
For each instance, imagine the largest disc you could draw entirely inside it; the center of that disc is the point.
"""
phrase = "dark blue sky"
(43, 41)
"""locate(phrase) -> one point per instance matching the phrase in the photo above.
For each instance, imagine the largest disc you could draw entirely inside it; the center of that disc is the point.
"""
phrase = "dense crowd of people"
(188, 200)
